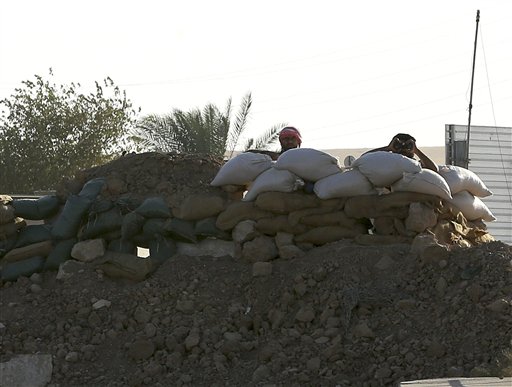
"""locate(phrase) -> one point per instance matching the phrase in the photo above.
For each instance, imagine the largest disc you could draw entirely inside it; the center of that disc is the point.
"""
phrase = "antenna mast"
(471, 94)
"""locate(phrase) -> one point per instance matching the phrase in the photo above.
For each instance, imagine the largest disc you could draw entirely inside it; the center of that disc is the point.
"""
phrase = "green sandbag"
(161, 249)
(48, 206)
(27, 267)
(180, 230)
(132, 225)
(153, 227)
(60, 254)
(141, 240)
(7, 245)
(206, 228)
(92, 188)
(100, 205)
(67, 224)
(154, 208)
(26, 209)
(103, 223)
(33, 234)
(122, 246)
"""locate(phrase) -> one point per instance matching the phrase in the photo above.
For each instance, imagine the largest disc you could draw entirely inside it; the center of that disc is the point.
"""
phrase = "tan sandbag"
(323, 235)
(338, 218)
(395, 204)
(6, 213)
(296, 216)
(284, 203)
(280, 223)
(200, 206)
(375, 240)
(238, 211)
(41, 249)
(8, 229)
(122, 265)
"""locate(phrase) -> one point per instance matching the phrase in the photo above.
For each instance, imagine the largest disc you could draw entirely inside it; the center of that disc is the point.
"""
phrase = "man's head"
(290, 138)
(404, 144)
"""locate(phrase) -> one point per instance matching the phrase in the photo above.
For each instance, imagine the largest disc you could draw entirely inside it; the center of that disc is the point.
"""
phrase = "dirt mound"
(340, 315)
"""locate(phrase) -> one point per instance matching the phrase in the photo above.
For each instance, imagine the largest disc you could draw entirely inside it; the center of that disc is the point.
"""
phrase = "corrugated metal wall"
(490, 157)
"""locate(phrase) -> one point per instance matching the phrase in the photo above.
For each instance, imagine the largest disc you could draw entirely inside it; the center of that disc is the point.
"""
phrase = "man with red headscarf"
(289, 138)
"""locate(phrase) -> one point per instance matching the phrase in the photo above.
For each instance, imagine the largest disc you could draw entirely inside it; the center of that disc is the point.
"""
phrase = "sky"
(347, 74)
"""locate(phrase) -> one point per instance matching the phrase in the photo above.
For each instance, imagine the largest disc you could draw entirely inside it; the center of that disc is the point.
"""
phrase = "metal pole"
(471, 94)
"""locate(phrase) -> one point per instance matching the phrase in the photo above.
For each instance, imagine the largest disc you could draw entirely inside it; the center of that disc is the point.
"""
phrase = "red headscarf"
(290, 131)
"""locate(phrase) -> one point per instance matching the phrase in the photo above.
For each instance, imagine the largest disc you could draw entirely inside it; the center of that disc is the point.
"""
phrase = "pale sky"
(347, 74)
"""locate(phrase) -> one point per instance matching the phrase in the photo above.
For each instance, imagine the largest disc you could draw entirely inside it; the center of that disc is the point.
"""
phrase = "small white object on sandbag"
(277, 180)
(472, 207)
(424, 181)
(462, 179)
(349, 183)
(309, 164)
(384, 168)
(242, 169)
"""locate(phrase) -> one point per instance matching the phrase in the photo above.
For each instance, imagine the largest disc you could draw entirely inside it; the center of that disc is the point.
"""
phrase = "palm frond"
(268, 138)
(240, 123)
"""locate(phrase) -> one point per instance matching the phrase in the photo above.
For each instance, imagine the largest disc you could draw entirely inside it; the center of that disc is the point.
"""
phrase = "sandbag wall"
(88, 227)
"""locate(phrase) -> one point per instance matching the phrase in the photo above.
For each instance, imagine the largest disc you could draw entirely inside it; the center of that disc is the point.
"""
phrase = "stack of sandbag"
(258, 173)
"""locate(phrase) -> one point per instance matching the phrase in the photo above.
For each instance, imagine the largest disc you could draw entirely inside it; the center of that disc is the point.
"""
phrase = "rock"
(244, 231)
(141, 349)
(27, 370)
(261, 249)
(207, 247)
(88, 251)
(261, 269)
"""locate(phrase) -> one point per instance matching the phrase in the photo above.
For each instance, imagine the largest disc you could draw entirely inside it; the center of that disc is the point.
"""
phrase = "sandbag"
(385, 168)
(284, 203)
(60, 254)
(181, 230)
(100, 205)
(309, 164)
(7, 244)
(349, 183)
(154, 207)
(5, 199)
(327, 234)
(33, 234)
(273, 179)
(238, 211)
(200, 206)
(472, 207)
(67, 224)
(26, 267)
(242, 169)
(6, 214)
(9, 229)
(206, 228)
(161, 249)
(132, 225)
(122, 246)
(280, 223)
(153, 227)
(48, 206)
(40, 249)
(127, 266)
(102, 223)
(92, 188)
(424, 181)
(26, 209)
(462, 179)
(337, 218)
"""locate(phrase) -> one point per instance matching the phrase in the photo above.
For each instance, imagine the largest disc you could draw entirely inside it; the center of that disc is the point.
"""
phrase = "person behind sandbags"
(289, 138)
(405, 144)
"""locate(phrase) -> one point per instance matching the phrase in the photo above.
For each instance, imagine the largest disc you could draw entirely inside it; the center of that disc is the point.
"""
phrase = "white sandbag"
(384, 168)
(462, 179)
(242, 169)
(472, 207)
(277, 180)
(424, 181)
(309, 164)
(349, 183)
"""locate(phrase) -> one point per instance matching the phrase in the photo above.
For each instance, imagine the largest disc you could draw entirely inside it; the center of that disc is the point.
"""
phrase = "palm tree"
(200, 131)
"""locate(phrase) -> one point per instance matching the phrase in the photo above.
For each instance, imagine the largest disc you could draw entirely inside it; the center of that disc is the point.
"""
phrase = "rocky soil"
(342, 314)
